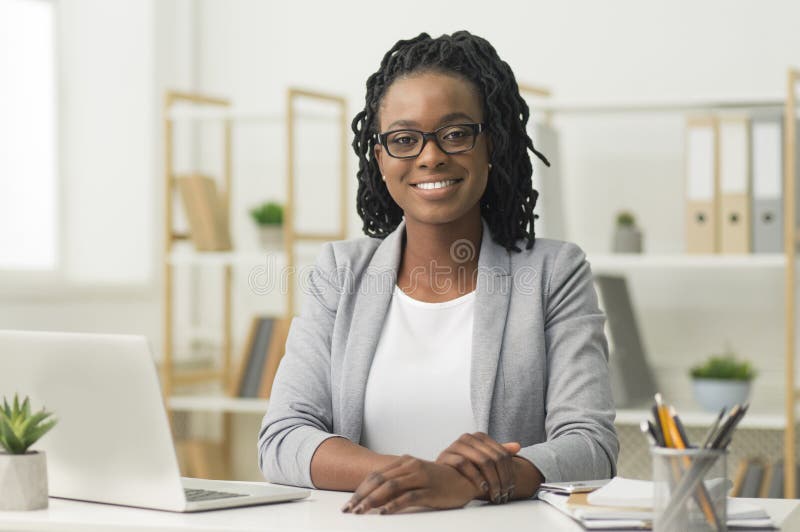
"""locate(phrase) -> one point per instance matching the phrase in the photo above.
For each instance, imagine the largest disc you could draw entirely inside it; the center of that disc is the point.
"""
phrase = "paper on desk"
(745, 515)
(639, 494)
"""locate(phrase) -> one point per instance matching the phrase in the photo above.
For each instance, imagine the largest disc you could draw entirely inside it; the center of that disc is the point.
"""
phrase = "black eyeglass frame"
(477, 129)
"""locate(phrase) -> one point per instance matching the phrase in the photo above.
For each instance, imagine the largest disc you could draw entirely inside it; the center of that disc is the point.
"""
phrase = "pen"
(713, 429)
(647, 429)
(725, 427)
(663, 419)
(679, 426)
(657, 431)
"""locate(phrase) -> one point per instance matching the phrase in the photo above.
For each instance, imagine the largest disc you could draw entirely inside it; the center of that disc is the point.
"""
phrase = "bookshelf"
(192, 109)
(774, 419)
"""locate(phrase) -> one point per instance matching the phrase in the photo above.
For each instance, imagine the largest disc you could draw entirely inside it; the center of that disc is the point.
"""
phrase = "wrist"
(527, 478)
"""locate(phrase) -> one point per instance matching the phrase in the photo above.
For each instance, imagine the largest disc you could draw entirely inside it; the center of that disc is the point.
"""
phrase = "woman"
(449, 355)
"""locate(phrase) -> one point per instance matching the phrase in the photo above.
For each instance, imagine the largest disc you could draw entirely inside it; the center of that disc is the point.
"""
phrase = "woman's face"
(426, 102)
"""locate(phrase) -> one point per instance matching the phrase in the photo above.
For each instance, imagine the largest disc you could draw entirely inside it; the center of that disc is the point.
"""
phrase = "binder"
(767, 169)
(632, 378)
(734, 185)
(702, 217)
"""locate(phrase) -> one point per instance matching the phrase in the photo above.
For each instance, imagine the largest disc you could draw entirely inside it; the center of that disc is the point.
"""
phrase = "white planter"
(715, 394)
(23, 481)
(271, 236)
(627, 239)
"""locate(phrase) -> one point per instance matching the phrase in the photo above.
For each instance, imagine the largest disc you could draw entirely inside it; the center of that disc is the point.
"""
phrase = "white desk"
(321, 513)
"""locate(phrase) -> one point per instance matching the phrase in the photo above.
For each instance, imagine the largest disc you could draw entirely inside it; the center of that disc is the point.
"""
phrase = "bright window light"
(28, 181)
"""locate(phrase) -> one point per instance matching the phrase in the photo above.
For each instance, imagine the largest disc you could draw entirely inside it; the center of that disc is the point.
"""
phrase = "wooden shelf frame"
(790, 238)
(168, 376)
(207, 108)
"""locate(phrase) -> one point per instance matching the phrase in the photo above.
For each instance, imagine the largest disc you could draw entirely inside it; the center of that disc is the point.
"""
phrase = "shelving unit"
(606, 263)
(203, 108)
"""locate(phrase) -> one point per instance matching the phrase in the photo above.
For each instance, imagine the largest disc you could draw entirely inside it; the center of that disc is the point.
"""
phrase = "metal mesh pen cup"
(690, 489)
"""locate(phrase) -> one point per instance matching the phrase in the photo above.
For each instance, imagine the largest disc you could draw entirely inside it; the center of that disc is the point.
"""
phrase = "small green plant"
(19, 429)
(268, 213)
(724, 366)
(626, 219)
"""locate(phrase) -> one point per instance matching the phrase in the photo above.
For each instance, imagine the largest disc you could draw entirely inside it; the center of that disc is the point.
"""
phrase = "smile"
(438, 184)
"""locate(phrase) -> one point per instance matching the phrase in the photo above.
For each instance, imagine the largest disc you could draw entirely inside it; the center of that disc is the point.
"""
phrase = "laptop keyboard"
(194, 495)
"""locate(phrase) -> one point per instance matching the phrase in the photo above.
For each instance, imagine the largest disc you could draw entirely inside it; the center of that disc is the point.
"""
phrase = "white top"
(417, 399)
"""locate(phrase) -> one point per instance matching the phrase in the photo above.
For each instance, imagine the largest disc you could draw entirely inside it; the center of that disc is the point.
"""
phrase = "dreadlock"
(508, 202)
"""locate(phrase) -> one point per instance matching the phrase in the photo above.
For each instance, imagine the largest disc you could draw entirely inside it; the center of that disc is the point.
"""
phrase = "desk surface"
(320, 512)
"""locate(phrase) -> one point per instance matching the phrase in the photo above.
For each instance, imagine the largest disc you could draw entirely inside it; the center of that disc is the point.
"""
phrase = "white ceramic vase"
(715, 394)
(23, 481)
(271, 236)
(627, 239)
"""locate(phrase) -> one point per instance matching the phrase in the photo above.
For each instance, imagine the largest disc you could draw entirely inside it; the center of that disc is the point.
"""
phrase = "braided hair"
(508, 201)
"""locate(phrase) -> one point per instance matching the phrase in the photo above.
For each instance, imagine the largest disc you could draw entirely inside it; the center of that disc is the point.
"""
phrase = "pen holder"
(690, 489)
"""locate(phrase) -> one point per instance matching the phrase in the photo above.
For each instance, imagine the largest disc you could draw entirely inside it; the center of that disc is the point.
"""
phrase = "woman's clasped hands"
(473, 467)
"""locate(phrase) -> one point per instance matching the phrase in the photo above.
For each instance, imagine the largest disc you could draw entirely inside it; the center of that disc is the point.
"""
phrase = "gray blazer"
(539, 373)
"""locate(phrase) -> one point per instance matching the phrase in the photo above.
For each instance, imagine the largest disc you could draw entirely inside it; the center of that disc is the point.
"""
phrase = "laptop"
(112, 443)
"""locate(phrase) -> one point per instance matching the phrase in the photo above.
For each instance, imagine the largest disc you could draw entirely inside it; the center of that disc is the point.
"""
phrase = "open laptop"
(112, 443)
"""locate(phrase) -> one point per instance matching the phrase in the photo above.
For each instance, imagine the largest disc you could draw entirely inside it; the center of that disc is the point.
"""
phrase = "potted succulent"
(627, 237)
(722, 381)
(23, 473)
(269, 218)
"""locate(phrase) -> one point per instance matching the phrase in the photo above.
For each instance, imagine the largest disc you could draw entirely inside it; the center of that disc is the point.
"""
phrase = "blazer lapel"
(374, 295)
(492, 296)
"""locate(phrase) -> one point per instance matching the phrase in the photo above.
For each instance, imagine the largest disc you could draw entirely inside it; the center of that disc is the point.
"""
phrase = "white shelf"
(744, 104)
(208, 113)
(751, 420)
(633, 261)
(216, 403)
(190, 257)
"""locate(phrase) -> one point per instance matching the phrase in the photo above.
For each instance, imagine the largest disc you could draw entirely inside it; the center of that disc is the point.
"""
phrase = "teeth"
(437, 184)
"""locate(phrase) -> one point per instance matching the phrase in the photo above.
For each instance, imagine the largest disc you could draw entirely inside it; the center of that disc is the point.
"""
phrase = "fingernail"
(359, 510)
(485, 487)
(504, 498)
(346, 508)
(383, 511)
(496, 498)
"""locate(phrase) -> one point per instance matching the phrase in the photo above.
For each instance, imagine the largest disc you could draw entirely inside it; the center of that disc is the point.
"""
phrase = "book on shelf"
(760, 478)
(275, 351)
(206, 213)
(266, 342)
(753, 477)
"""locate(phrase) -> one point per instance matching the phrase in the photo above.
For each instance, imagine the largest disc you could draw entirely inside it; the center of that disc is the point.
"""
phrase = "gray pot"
(627, 239)
(23, 481)
(271, 236)
(716, 394)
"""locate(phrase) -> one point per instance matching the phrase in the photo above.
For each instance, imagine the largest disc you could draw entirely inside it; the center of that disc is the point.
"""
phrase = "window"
(28, 143)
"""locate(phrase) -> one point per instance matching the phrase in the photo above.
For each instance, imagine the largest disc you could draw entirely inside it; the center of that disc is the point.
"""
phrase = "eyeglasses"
(409, 143)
